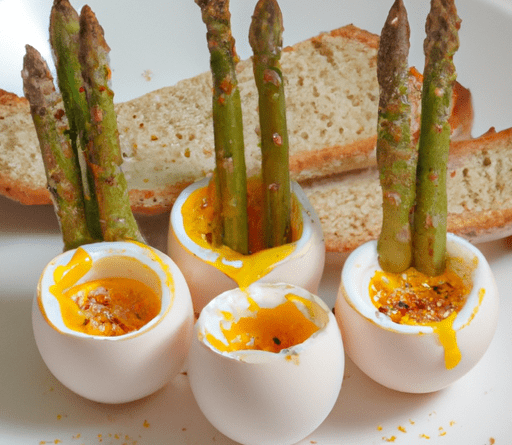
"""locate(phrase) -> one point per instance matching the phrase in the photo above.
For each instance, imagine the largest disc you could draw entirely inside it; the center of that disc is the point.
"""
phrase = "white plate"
(156, 43)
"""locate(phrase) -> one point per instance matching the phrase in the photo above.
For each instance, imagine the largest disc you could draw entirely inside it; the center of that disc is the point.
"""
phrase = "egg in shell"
(412, 357)
(210, 271)
(266, 363)
(113, 321)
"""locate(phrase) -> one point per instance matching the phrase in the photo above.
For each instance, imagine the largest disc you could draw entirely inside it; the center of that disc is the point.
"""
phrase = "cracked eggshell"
(411, 358)
(263, 398)
(127, 367)
(302, 267)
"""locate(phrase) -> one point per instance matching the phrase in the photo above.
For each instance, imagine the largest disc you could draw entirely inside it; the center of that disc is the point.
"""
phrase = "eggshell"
(127, 367)
(303, 267)
(263, 398)
(410, 358)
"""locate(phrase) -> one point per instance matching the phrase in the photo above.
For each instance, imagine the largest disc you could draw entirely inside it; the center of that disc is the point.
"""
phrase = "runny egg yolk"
(105, 306)
(198, 219)
(109, 306)
(413, 298)
(266, 329)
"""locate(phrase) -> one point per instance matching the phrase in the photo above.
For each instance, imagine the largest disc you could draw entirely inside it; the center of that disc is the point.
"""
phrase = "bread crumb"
(147, 74)
(402, 429)
(146, 424)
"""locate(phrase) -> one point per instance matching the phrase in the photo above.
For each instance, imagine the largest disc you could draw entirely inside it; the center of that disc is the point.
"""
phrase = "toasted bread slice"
(167, 135)
(479, 195)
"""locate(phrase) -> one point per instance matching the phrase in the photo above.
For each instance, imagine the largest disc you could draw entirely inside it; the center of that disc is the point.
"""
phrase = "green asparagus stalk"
(61, 165)
(230, 171)
(396, 152)
(64, 35)
(430, 215)
(265, 38)
(103, 152)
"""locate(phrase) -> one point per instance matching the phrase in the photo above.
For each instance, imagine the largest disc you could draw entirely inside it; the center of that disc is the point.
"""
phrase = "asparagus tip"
(89, 26)
(266, 30)
(34, 67)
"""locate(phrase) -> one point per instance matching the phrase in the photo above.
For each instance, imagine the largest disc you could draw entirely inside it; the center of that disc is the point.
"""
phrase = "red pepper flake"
(226, 85)
(59, 114)
(270, 76)
(433, 176)
(277, 139)
(97, 114)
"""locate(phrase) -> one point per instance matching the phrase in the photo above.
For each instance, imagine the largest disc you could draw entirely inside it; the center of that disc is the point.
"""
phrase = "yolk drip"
(67, 275)
(109, 306)
(106, 306)
(416, 299)
(268, 329)
(198, 219)
(448, 339)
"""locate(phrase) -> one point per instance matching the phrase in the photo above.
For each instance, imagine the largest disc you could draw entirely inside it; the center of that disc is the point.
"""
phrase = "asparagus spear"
(230, 173)
(61, 165)
(265, 37)
(103, 151)
(64, 34)
(396, 152)
(440, 45)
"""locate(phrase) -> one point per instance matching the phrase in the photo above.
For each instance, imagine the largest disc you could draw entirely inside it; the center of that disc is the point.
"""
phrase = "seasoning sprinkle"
(413, 297)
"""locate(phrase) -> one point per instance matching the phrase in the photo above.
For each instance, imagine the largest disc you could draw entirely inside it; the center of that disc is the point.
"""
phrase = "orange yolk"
(199, 222)
(106, 306)
(109, 306)
(266, 329)
(413, 298)
(419, 298)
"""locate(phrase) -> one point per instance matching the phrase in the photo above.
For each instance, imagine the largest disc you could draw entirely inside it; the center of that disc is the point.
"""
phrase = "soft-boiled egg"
(266, 363)
(210, 271)
(417, 357)
(113, 321)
